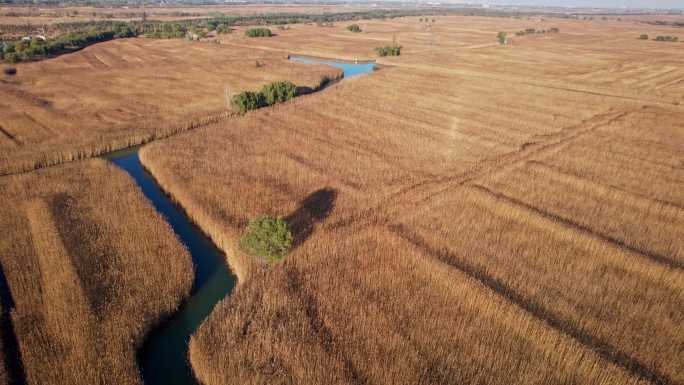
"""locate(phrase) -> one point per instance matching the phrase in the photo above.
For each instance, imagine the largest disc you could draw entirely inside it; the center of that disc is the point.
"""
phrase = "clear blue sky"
(594, 3)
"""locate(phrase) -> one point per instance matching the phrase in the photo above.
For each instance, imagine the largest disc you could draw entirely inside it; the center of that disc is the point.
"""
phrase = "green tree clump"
(389, 50)
(503, 38)
(258, 32)
(272, 93)
(278, 92)
(643, 37)
(667, 38)
(248, 100)
(267, 237)
(354, 28)
(223, 29)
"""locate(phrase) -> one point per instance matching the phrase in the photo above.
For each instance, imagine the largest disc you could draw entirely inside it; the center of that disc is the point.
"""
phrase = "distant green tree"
(503, 38)
(643, 37)
(354, 28)
(267, 237)
(389, 50)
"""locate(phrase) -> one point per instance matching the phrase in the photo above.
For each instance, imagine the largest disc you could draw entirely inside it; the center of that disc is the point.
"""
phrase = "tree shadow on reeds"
(313, 209)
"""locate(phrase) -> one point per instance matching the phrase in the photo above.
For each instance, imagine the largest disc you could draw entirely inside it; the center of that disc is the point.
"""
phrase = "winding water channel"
(163, 358)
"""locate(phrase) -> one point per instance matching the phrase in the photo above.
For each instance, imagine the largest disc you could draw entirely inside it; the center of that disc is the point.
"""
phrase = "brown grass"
(124, 92)
(91, 268)
(494, 207)
(468, 214)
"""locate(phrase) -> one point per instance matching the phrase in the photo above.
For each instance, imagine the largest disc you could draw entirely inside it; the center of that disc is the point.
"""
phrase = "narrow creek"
(163, 358)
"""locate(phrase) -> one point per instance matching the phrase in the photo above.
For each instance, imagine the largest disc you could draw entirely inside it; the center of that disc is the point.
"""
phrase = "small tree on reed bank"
(278, 92)
(503, 38)
(389, 50)
(248, 100)
(267, 237)
(354, 28)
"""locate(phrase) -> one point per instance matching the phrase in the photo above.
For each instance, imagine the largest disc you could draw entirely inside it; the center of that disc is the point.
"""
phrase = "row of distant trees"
(667, 38)
(35, 48)
(661, 38)
(533, 31)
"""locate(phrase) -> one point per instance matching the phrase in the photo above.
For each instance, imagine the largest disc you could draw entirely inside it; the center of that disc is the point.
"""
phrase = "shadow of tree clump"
(315, 208)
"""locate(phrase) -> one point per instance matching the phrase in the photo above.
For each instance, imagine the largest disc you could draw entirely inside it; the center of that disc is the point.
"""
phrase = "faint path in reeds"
(579, 229)
(9, 136)
(602, 348)
(508, 79)
(428, 188)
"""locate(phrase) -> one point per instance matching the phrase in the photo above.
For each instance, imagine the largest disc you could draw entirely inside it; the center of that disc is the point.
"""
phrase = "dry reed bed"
(618, 301)
(91, 267)
(124, 92)
(647, 149)
(589, 56)
(332, 314)
(613, 213)
(364, 306)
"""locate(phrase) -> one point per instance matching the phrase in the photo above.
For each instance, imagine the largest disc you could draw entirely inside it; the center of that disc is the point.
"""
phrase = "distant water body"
(350, 69)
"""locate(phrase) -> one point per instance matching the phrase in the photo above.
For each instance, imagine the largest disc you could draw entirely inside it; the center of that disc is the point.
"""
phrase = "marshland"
(341, 194)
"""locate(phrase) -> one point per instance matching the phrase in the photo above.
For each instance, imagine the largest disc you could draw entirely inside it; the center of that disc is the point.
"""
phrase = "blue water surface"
(350, 69)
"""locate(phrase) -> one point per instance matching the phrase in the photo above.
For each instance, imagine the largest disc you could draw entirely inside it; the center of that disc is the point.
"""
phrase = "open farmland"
(463, 210)
(115, 94)
(91, 268)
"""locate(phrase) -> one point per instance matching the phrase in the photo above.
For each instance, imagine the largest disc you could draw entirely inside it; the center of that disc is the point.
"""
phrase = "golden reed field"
(469, 213)
(125, 92)
(91, 267)
(473, 213)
